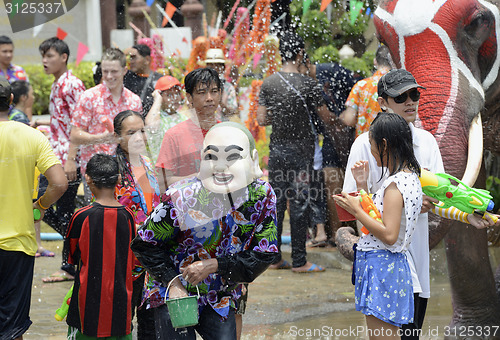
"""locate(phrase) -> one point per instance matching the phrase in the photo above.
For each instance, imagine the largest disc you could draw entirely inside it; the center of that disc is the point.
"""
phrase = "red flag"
(61, 34)
(80, 53)
(170, 10)
(324, 4)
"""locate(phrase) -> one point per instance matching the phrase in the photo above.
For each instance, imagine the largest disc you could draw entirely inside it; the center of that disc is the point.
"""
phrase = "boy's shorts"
(16, 278)
(75, 334)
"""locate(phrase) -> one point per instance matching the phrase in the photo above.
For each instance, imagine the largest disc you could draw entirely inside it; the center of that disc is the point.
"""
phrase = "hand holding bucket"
(183, 311)
(344, 215)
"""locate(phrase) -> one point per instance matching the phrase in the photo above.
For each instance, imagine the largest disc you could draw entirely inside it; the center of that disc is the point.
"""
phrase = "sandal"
(45, 253)
(283, 264)
(313, 269)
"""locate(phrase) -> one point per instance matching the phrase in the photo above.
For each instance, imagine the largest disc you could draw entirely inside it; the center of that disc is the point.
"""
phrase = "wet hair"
(143, 50)
(396, 132)
(97, 73)
(103, 170)
(121, 158)
(204, 76)
(251, 140)
(5, 40)
(383, 56)
(114, 54)
(55, 43)
(291, 44)
(19, 88)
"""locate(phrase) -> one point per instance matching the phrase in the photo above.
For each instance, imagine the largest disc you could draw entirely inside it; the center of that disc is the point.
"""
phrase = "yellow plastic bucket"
(183, 311)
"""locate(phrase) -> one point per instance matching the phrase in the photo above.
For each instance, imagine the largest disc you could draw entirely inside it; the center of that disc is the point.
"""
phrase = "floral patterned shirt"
(94, 114)
(363, 99)
(14, 72)
(63, 98)
(192, 224)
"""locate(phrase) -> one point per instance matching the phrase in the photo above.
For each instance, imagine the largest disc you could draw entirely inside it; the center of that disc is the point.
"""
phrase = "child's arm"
(472, 219)
(388, 231)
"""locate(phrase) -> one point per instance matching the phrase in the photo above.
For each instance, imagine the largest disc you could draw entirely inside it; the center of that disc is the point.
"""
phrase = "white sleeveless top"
(409, 186)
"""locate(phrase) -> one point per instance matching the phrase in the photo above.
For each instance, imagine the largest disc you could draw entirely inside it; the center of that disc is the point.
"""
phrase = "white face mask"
(227, 164)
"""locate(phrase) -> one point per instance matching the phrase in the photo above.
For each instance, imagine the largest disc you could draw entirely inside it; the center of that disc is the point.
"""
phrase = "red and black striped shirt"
(98, 239)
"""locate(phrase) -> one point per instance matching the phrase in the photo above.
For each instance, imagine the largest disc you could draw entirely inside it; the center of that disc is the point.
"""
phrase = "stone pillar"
(108, 20)
(192, 11)
(138, 18)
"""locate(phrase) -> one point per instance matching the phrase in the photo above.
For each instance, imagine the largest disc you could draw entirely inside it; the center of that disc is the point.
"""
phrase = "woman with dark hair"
(22, 101)
(138, 190)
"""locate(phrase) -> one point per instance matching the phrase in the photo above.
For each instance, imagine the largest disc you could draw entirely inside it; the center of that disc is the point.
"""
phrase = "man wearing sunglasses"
(398, 92)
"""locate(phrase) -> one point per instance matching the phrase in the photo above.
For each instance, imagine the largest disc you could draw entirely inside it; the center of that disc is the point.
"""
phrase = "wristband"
(40, 204)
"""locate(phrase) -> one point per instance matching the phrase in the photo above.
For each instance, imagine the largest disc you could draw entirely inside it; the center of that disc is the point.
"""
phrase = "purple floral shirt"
(192, 224)
(14, 72)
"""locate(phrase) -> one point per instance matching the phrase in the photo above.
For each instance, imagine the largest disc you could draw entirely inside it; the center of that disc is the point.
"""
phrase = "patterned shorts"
(383, 286)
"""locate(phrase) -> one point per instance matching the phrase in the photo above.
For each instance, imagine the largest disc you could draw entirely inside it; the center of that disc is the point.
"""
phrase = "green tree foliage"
(359, 66)
(315, 29)
(325, 54)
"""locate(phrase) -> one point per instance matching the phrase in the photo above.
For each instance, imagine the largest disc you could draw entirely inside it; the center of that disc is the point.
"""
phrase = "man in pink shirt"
(92, 121)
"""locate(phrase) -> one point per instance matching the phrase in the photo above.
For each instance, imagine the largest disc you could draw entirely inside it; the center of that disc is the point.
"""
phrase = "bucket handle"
(168, 287)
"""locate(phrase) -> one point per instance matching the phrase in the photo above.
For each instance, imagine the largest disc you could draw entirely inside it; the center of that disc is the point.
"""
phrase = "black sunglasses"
(414, 95)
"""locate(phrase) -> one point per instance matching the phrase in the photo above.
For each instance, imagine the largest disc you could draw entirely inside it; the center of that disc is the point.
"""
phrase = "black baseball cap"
(5, 90)
(396, 82)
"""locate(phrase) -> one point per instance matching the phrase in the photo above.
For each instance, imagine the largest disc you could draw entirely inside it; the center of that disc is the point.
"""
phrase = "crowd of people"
(174, 194)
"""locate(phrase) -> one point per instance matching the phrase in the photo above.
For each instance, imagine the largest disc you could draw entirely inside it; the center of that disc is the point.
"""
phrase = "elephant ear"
(482, 28)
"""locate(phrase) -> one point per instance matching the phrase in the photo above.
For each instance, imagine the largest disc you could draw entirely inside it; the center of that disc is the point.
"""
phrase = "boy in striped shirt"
(98, 238)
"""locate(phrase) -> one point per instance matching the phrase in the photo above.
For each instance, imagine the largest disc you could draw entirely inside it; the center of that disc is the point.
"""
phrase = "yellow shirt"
(22, 148)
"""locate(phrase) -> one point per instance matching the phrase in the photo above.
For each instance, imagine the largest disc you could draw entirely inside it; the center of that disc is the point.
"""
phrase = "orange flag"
(324, 4)
(170, 10)
(61, 34)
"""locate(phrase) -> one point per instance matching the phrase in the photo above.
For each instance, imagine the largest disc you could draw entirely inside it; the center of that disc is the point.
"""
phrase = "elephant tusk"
(475, 153)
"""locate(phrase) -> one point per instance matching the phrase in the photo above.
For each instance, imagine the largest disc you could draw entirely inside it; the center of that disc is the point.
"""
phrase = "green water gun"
(460, 196)
(62, 311)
